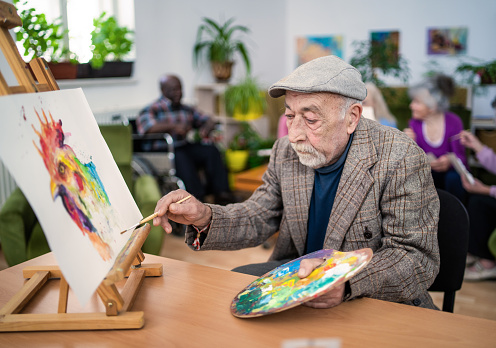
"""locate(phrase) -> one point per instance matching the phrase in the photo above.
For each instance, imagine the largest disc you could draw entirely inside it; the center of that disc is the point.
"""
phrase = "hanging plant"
(217, 43)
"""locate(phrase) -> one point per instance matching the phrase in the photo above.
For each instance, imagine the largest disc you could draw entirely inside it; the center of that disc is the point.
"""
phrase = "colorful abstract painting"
(387, 43)
(51, 144)
(311, 47)
(447, 41)
(282, 289)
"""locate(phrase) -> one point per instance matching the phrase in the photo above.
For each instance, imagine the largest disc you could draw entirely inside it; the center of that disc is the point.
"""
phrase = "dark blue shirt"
(325, 187)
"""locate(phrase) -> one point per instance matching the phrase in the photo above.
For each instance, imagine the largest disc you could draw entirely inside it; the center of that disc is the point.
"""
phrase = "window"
(77, 16)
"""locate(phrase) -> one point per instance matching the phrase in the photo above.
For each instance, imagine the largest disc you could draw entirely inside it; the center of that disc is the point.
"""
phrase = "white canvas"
(51, 144)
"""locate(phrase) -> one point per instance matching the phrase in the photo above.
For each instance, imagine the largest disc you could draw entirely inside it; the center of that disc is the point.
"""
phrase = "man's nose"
(296, 130)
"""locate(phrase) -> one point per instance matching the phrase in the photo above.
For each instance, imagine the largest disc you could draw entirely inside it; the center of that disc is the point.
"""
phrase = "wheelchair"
(161, 164)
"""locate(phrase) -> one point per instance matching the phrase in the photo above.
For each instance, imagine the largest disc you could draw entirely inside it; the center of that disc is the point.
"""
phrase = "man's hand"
(180, 129)
(173, 129)
(190, 212)
(329, 299)
(207, 128)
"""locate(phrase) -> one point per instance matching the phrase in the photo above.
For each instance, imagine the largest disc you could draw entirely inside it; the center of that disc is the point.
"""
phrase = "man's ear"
(354, 114)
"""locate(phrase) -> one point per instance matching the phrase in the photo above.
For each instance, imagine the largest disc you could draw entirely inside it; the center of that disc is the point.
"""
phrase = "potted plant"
(110, 45)
(381, 57)
(245, 101)
(217, 43)
(243, 148)
(478, 72)
(43, 39)
(239, 148)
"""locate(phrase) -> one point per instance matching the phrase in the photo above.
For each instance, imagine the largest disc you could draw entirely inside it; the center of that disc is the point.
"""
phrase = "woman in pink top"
(282, 127)
(481, 263)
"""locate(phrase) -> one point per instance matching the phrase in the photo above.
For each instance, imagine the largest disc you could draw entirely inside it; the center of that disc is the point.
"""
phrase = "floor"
(475, 299)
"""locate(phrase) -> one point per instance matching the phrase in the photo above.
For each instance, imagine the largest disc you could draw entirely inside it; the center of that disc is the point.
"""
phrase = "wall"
(355, 19)
(166, 31)
(165, 35)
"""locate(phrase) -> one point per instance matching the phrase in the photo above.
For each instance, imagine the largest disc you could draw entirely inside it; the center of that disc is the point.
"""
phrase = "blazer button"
(367, 234)
(417, 302)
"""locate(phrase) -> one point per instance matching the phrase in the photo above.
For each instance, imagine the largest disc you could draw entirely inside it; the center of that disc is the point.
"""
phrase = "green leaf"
(39, 37)
(216, 42)
(109, 41)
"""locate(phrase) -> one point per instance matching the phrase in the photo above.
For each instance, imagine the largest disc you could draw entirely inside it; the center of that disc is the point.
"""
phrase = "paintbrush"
(153, 216)
(457, 136)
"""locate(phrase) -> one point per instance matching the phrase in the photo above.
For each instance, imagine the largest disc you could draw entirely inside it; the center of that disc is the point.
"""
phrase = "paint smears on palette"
(281, 288)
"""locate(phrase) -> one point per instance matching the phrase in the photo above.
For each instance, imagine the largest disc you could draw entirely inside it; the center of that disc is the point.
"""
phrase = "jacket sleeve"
(246, 224)
(407, 260)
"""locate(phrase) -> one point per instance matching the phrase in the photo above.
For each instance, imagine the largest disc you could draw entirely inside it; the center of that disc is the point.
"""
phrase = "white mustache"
(299, 147)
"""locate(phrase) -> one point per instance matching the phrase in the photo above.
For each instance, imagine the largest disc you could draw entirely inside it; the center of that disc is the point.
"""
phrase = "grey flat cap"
(324, 74)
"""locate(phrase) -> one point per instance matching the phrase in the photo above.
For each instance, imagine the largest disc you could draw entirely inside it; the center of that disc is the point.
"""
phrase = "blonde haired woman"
(375, 100)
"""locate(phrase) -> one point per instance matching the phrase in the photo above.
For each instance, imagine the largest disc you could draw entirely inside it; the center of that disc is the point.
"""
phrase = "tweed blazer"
(386, 201)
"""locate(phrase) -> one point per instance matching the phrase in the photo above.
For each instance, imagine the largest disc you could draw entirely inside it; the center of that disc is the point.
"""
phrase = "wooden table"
(189, 307)
(250, 179)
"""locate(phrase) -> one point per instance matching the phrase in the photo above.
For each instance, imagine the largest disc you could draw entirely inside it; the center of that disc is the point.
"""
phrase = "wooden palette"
(281, 288)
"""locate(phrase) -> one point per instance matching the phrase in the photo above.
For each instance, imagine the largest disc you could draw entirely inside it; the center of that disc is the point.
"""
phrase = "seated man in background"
(169, 115)
(337, 181)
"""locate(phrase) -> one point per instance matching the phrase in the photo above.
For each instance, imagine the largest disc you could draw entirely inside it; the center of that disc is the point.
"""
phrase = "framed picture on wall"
(311, 47)
(386, 46)
(447, 41)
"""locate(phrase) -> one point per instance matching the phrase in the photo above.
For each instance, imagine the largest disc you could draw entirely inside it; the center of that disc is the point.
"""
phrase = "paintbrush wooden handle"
(153, 216)
(148, 218)
(183, 199)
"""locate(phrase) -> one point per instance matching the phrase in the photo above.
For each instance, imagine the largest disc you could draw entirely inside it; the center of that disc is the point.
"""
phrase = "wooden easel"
(128, 263)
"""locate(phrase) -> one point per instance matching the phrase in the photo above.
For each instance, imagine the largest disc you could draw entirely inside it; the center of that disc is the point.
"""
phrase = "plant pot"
(249, 116)
(236, 160)
(254, 112)
(222, 70)
(113, 69)
(84, 71)
(486, 78)
(63, 70)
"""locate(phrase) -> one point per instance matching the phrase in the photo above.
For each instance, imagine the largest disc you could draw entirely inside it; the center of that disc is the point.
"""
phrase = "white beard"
(309, 156)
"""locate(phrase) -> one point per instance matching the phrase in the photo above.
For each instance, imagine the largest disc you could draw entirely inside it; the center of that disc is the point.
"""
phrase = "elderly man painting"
(337, 181)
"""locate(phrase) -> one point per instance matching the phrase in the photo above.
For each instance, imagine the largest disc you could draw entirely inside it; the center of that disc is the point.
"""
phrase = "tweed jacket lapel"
(299, 190)
(356, 181)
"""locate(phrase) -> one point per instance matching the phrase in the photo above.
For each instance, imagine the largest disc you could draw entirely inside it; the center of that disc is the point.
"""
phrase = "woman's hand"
(478, 187)
(469, 140)
(411, 134)
(441, 164)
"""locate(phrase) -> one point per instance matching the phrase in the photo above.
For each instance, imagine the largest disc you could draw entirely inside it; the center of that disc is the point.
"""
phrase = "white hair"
(347, 102)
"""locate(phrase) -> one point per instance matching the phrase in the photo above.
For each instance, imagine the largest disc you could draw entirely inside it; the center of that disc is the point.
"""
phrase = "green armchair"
(21, 235)
(20, 232)
(145, 189)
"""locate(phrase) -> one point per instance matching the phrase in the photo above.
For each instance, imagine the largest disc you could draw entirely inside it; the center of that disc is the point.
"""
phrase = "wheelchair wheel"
(141, 166)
